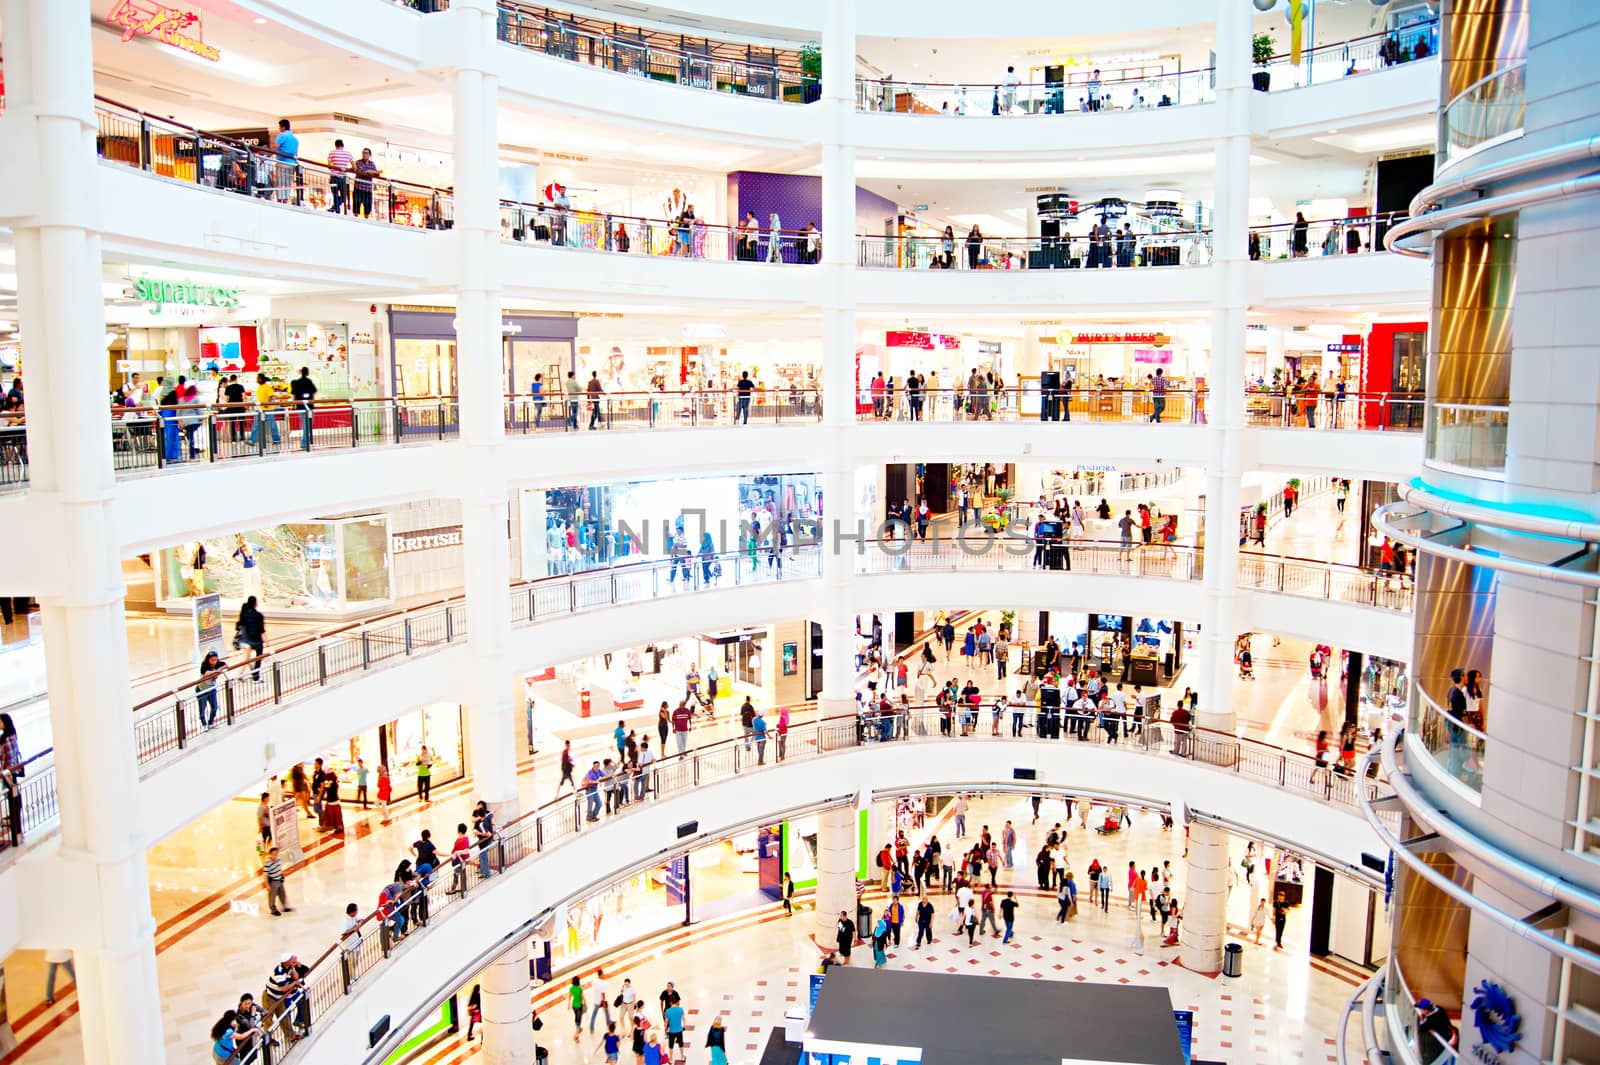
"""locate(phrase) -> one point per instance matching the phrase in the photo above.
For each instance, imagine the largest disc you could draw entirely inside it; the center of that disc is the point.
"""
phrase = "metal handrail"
(332, 188)
(552, 824)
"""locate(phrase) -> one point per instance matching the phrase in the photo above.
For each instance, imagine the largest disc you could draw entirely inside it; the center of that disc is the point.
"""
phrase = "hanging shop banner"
(1344, 349)
(207, 625)
(171, 26)
(1119, 338)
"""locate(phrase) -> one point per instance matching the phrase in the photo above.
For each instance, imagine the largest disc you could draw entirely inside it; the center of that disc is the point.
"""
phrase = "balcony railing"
(337, 971)
(1077, 402)
(1080, 94)
(173, 721)
(636, 582)
(662, 409)
(564, 227)
(244, 692)
(1469, 436)
(1323, 237)
(131, 137)
(1358, 55)
(1329, 409)
(978, 549)
(1330, 581)
(630, 53)
(1489, 109)
(1456, 746)
(147, 439)
(961, 252)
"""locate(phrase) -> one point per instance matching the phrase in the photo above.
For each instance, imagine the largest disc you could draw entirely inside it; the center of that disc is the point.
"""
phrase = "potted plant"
(1261, 52)
(811, 72)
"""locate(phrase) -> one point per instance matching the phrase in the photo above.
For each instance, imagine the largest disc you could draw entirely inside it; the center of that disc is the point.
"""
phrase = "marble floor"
(751, 967)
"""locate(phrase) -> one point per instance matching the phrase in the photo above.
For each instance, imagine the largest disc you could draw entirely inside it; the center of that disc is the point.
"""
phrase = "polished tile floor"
(751, 968)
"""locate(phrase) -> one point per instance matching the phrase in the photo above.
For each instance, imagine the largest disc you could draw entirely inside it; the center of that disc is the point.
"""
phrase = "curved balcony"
(177, 720)
(1081, 93)
(1368, 54)
(130, 137)
(723, 784)
(1488, 112)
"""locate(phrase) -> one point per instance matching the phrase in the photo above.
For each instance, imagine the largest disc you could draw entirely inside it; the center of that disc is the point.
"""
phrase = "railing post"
(449, 625)
(538, 833)
(277, 683)
(1283, 769)
(227, 699)
(366, 649)
(407, 628)
(144, 147)
(572, 597)
(322, 667)
(613, 576)
(344, 968)
(183, 730)
(696, 763)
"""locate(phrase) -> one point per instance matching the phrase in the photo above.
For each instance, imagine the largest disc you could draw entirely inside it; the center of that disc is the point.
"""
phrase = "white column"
(1205, 897)
(108, 923)
(836, 870)
(1225, 379)
(507, 1009)
(839, 350)
(481, 479)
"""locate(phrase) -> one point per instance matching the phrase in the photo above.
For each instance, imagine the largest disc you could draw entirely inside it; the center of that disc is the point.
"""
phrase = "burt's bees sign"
(173, 26)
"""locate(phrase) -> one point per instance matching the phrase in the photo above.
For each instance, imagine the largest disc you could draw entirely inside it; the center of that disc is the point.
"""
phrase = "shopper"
(385, 792)
(366, 170)
(424, 776)
(598, 1000)
(55, 959)
(339, 165)
(574, 394)
(212, 668)
(595, 391)
(304, 391)
(575, 1000)
(1436, 1035)
(717, 1042)
(745, 389)
(272, 870)
(782, 732)
(287, 146)
(251, 631)
(1280, 918)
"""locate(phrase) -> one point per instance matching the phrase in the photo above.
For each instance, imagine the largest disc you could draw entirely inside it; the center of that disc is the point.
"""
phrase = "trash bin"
(1233, 960)
(584, 702)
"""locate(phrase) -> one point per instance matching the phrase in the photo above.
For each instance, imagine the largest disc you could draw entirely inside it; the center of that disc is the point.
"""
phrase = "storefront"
(1142, 651)
(329, 569)
(422, 351)
(195, 326)
(573, 529)
(397, 744)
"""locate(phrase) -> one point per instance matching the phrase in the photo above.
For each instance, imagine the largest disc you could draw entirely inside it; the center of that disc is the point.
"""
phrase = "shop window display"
(325, 569)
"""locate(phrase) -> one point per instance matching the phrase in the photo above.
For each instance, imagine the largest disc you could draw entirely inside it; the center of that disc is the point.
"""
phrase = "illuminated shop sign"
(154, 290)
(425, 540)
(925, 341)
(165, 24)
(1344, 349)
(1120, 338)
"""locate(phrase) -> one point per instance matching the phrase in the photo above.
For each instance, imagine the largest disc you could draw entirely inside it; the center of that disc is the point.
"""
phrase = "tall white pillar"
(1225, 380)
(839, 553)
(108, 924)
(507, 1009)
(1205, 899)
(836, 870)
(481, 479)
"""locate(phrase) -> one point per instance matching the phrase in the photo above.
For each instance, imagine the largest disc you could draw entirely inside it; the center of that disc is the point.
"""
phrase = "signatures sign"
(1495, 1017)
(171, 26)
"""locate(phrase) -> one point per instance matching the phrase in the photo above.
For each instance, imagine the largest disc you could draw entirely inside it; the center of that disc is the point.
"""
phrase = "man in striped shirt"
(340, 162)
(273, 871)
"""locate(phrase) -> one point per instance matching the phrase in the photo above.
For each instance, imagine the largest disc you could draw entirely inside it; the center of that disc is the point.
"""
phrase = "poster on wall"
(791, 658)
(286, 832)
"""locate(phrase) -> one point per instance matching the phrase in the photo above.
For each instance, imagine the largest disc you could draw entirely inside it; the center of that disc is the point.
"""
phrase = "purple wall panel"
(797, 199)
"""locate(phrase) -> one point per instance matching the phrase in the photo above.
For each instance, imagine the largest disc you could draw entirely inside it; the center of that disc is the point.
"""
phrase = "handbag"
(617, 1001)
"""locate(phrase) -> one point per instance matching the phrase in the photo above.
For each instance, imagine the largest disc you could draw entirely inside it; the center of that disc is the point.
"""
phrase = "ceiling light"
(260, 21)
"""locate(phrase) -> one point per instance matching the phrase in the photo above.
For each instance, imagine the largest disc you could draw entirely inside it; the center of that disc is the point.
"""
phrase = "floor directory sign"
(1185, 1019)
